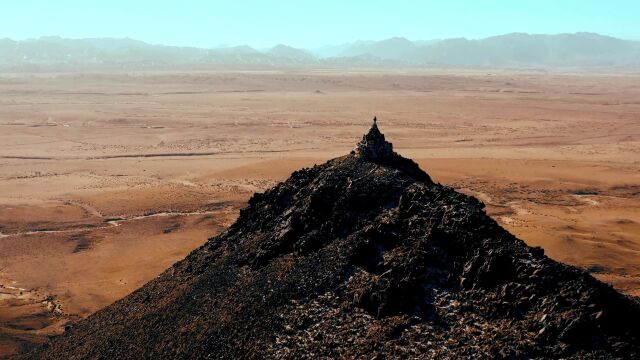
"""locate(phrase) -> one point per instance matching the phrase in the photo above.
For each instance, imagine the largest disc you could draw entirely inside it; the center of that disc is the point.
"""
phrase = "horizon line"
(224, 45)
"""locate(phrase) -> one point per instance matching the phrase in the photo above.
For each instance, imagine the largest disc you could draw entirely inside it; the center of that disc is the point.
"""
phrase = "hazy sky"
(310, 23)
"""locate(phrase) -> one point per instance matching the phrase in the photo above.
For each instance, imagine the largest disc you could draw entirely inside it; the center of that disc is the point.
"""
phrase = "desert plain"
(106, 179)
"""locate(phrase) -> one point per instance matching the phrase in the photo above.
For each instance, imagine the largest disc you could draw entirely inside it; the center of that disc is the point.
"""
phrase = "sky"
(310, 24)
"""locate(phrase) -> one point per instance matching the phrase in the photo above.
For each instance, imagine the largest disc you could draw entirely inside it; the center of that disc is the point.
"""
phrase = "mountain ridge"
(514, 50)
(362, 256)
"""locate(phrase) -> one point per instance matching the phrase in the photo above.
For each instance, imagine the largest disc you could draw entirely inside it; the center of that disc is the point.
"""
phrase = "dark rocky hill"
(362, 257)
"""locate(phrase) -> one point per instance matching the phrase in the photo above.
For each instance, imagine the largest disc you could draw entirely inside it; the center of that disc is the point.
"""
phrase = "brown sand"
(107, 179)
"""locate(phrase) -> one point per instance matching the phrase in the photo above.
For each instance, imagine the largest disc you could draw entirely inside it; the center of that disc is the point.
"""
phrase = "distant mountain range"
(516, 50)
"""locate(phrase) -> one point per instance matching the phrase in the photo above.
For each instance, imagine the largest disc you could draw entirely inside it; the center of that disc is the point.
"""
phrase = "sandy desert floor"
(108, 179)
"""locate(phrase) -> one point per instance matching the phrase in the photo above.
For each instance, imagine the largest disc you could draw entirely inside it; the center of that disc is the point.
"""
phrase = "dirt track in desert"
(108, 179)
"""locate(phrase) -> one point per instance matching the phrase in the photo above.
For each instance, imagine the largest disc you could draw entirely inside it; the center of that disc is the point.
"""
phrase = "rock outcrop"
(374, 146)
(362, 257)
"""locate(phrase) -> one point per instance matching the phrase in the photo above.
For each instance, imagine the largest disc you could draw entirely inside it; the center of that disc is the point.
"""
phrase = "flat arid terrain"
(108, 179)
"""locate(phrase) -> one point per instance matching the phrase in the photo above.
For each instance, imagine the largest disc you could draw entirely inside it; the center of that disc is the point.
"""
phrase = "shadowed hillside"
(363, 255)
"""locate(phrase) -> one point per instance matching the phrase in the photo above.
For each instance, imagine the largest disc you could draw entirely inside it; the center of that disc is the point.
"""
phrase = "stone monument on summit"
(373, 144)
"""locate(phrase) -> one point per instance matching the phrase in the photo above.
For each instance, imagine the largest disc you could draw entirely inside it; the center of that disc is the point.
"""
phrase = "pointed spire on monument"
(373, 145)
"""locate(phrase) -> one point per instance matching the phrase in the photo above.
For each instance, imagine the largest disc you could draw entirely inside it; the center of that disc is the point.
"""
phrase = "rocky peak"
(376, 149)
(362, 257)
(373, 145)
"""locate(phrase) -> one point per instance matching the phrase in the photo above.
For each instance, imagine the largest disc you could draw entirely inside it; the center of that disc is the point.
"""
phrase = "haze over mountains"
(515, 50)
